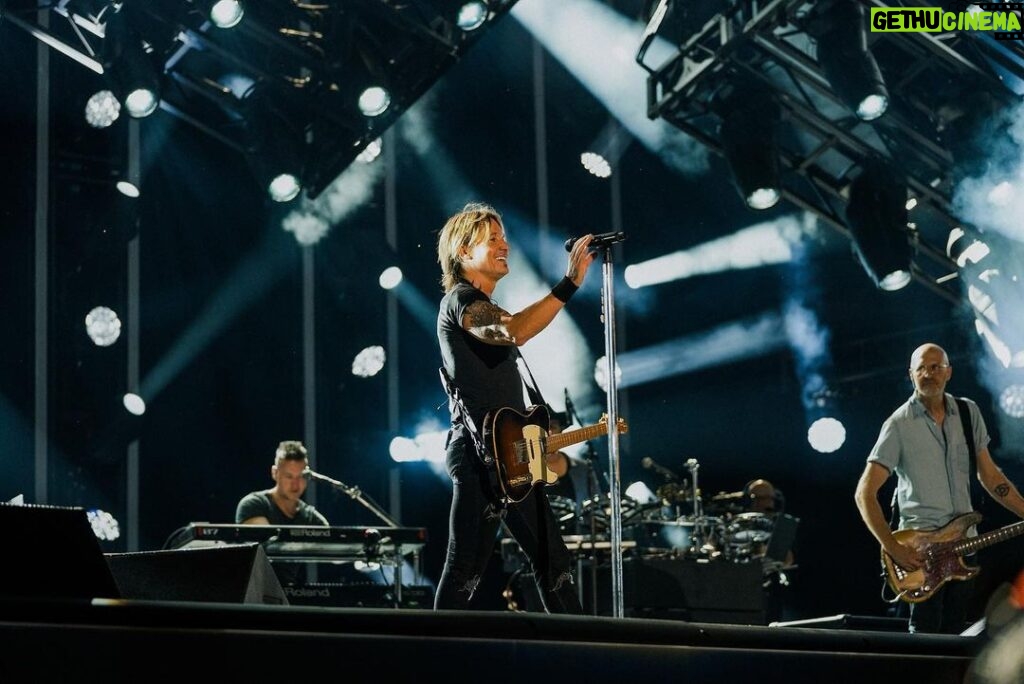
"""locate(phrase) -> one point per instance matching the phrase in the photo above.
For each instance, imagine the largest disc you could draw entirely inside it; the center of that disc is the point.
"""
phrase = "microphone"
(602, 240)
(648, 462)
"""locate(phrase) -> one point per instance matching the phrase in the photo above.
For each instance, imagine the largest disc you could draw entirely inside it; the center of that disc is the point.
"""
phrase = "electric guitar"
(943, 550)
(520, 442)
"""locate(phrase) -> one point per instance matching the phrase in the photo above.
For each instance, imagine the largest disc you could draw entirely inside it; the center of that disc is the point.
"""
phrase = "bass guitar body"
(942, 550)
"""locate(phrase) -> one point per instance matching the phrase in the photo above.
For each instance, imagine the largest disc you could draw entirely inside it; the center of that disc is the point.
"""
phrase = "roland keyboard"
(302, 542)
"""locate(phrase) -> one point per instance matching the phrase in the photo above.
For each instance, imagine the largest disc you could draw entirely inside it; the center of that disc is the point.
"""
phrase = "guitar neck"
(989, 538)
(564, 439)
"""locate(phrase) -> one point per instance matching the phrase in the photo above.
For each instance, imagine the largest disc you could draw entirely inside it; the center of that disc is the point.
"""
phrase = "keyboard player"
(282, 504)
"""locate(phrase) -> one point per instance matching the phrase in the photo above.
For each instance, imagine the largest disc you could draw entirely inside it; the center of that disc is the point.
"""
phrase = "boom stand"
(608, 315)
(357, 494)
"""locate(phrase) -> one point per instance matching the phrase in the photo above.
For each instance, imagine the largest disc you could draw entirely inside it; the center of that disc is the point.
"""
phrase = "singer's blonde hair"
(467, 228)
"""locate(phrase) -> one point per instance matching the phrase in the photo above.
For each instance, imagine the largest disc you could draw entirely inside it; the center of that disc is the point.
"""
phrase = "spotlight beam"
(729, 343)
(251, 279)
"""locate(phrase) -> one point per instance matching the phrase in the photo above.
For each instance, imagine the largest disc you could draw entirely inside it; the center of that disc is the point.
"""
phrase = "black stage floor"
(133, 640)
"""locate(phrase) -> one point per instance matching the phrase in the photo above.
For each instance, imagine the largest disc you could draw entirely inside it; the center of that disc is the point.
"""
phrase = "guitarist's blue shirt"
(486, 375)
(932, 464)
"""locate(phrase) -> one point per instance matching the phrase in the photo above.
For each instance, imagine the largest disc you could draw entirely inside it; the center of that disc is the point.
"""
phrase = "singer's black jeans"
(472, 532)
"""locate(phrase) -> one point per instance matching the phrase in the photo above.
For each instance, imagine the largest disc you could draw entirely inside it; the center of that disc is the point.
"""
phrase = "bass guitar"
(943, 550)
(520, 443)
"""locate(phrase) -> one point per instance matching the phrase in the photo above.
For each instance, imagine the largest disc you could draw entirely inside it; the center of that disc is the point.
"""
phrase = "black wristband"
(564, 290)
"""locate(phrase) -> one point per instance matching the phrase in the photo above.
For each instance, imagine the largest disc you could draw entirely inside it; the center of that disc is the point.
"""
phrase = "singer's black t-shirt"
(486, 375)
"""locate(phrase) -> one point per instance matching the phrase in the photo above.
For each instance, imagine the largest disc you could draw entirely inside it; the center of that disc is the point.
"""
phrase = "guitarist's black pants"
(473, 526)
(945, 612)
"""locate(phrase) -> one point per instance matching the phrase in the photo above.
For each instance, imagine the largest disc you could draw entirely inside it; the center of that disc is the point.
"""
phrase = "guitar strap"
(532, 390)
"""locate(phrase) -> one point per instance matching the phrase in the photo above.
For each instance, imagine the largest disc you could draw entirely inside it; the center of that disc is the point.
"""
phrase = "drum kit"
(677, 523)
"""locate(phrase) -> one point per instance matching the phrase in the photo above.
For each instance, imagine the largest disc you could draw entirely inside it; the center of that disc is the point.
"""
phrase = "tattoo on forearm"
(1002, 489)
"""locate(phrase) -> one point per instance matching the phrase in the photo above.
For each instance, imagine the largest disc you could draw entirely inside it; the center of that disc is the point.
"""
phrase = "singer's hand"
(580, 259)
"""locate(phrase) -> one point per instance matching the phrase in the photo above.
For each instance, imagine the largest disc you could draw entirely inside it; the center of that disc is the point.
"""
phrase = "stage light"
(374, 101)
(877, 217)
(104, 525)
(134, 404)
(128, 66)
(102, 109)
(127, 188)
(371, 151)
(601, 373)
(1011, 401)
(226, 13)
(103, 326)
(472, 16)
(273, 147)
(826, 435)
(368, 362)
(426, 446)
(284, 187)
(749, 138)
(911, 203)
(390, 277)
(141, 101)
(851, 69)
(964, 250)
(596, 164)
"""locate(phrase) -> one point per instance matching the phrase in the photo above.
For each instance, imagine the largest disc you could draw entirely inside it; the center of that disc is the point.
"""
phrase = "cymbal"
(727, 496)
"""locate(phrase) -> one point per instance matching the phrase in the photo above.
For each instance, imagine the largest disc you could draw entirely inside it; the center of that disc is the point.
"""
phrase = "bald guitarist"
(924, 443)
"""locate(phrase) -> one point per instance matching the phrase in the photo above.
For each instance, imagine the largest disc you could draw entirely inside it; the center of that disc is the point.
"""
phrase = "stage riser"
(123, 654)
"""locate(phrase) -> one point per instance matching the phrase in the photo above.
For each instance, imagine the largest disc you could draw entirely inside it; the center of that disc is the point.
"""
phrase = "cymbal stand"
(700, 533)
(593, 492)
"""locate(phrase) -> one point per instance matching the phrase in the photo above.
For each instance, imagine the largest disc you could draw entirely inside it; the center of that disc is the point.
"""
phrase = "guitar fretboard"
(989, 538)
(564, 439)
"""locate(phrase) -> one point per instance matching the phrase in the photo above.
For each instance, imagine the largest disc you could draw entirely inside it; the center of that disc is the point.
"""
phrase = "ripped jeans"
(472, 532)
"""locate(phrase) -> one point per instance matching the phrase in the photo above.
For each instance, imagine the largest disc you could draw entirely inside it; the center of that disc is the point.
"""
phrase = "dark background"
(206, 229)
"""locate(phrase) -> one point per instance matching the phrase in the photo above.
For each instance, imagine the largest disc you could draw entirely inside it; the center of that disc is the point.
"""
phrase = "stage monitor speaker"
(236, 573)
(673, 589)
(683, 589)
(52, 554)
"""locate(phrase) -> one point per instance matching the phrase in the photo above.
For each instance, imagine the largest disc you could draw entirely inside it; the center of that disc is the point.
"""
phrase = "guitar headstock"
(621, 422)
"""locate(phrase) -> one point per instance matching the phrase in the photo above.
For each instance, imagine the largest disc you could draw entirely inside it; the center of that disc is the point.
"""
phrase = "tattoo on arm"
(484, 321)
(1002, 489)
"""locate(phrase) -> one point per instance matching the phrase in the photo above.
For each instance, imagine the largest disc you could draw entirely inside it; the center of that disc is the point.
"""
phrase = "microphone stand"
(357, 494)
(608, 315)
